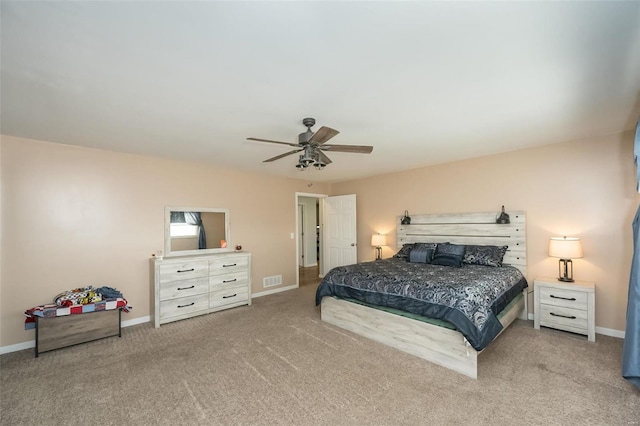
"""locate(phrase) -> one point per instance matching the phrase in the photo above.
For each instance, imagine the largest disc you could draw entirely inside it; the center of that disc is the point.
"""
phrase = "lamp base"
(378, 253)
(565, 270)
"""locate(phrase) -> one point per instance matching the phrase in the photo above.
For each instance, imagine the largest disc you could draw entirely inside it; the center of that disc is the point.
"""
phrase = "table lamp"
(377, 241)
(565, 248)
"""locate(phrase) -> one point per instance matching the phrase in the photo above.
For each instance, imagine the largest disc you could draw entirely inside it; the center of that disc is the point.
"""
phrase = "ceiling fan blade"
(278, 142)
(359, 149)
(326, 160)
(277, 157)
(322, 135)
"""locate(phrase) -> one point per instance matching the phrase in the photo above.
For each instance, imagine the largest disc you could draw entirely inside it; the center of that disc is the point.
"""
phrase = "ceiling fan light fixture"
(318, 163)
(308, 157)
(301, 164)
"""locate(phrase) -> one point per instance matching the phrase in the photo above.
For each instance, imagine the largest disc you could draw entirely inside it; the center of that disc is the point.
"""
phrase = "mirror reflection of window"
(183, 230)
(196, 229)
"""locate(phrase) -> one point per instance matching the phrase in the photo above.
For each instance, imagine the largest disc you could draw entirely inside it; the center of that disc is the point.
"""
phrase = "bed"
(416, 307)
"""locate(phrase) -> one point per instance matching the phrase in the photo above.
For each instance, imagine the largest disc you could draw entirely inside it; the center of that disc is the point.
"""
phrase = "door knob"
(353, 244)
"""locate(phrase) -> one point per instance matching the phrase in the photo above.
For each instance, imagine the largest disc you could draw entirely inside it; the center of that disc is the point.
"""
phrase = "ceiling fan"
(312, 145)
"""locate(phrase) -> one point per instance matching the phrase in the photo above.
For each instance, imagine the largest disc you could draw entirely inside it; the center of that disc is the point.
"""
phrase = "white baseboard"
(32, 343)
(17, 347)
(610, 332)
(600, 330)
(275, 290)
(136, 321)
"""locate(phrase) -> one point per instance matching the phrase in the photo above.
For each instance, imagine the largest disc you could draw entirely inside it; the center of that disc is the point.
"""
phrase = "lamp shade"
(565, 247)
(378, 240)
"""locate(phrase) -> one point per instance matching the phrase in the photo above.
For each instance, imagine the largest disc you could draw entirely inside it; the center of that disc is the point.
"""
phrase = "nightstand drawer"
(574, 320)
(564, 298)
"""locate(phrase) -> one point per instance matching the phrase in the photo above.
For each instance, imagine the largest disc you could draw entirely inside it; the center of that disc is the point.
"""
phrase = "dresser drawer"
(228, 280)
(228, 265)
(226, 296)
(182, 288)
(564, 298)
(182, 271)
(575, 320)
(183, 305)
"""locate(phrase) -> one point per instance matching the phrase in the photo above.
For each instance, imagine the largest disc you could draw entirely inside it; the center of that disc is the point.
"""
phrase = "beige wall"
(66, 210)
(584, 188)
(75, 217)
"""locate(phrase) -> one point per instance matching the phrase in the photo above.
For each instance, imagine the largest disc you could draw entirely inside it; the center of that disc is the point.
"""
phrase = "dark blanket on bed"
(469, 297)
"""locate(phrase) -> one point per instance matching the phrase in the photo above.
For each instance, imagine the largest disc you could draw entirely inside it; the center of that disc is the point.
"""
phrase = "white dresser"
(187, 286)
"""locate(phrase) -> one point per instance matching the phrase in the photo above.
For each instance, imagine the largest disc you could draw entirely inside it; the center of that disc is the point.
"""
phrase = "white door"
(340, 231)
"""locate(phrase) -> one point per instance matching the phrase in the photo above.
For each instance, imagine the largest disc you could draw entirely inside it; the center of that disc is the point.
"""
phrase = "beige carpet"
(276, 363)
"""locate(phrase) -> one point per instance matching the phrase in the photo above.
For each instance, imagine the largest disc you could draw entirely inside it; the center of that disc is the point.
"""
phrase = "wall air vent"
(272, 281)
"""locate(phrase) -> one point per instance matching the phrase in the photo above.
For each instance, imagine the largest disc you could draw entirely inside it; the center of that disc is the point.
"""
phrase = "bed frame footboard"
(442, 346)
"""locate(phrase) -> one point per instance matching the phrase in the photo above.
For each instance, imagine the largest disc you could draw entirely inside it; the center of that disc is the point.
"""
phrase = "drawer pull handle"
(226, 266)
(185, 288)
(233, 295)
(564, 298)
(563, 316)
(184, 306)
(230, 281)
(186, 270)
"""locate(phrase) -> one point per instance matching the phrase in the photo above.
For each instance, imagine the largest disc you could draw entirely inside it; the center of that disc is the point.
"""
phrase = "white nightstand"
(565, 306)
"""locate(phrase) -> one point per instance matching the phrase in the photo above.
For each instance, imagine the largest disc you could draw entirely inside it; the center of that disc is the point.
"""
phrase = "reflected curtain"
(631, 348)
(177, 217)
(194, 218)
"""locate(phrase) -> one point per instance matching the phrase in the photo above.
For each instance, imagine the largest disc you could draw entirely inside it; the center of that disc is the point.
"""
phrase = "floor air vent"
(272, 281)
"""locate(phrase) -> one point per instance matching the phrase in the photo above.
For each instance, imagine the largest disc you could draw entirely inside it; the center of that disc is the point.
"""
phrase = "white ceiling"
(423, 82)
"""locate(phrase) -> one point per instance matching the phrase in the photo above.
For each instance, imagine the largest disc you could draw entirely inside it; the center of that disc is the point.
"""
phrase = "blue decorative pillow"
(449, 255)
(484, 255)
(422, 253)
(403, 253)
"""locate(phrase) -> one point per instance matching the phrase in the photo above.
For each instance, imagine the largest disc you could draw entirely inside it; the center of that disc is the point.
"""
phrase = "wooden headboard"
(469, 228)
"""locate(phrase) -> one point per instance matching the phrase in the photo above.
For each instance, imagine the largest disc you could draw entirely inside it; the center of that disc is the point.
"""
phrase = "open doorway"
(330, 233)
(309, 238)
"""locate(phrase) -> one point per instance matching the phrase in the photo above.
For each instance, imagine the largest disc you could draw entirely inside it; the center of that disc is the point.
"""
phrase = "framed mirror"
(195, 230)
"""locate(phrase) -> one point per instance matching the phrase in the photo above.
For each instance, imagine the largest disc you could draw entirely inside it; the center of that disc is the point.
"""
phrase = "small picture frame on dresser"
(565, 306)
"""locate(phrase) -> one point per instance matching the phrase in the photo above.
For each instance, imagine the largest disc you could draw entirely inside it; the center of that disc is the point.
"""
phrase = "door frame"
(301, 240)
(320, 198)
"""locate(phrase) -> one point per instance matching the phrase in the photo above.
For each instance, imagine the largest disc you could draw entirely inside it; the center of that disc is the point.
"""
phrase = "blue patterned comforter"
(469, 297)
